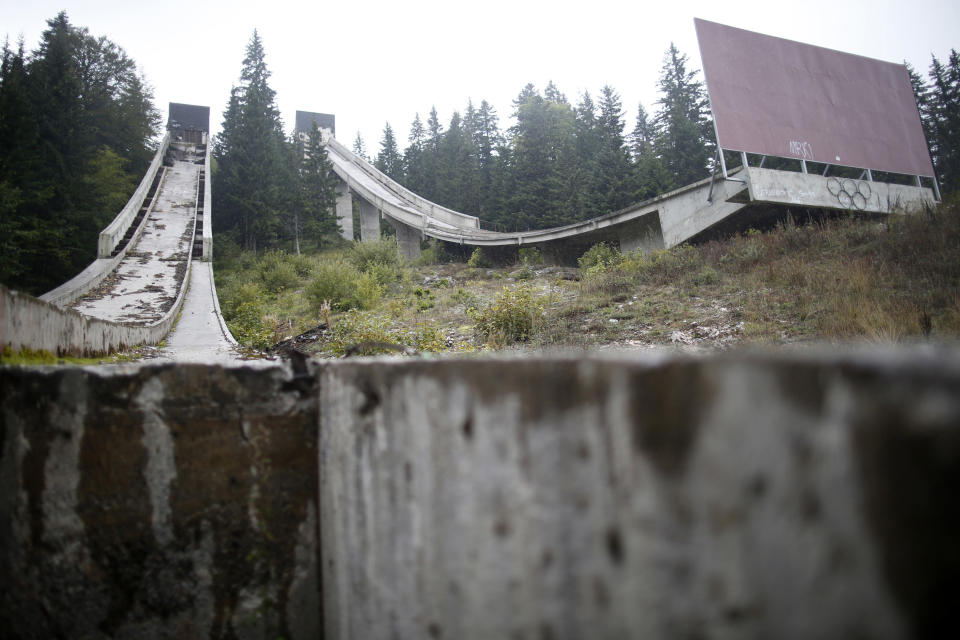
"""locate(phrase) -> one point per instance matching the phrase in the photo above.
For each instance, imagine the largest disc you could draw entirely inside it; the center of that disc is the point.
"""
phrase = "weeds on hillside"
(845, 278)
(513, 316)
(876, 279)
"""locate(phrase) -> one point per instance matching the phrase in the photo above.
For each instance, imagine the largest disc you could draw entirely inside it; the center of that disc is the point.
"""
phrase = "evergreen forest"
(78, 129)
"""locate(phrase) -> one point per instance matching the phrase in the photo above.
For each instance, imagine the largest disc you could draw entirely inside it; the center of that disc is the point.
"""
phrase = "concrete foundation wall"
(750, 496)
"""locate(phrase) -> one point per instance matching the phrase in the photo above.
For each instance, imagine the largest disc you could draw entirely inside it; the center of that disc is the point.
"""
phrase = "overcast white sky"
(370, 62)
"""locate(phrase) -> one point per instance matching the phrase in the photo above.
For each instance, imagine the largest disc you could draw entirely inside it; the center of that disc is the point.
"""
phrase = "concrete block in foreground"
(731, 497)
(158, 502)
(788, 496)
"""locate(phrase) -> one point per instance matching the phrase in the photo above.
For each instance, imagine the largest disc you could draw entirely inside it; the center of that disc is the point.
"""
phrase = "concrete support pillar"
(408, 240)
(345, 210)
(369, 222)
(644, 235)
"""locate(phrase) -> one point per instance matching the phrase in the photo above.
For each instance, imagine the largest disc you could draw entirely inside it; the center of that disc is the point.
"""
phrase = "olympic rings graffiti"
(850, 193)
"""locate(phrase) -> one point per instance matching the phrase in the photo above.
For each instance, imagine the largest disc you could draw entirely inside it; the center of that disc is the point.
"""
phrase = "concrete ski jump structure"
(659, 223)
(147, 258)
(134, 306)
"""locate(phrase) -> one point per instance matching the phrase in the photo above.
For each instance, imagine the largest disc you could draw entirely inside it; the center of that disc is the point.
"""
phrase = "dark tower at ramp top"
(305, 120)
(188, 123)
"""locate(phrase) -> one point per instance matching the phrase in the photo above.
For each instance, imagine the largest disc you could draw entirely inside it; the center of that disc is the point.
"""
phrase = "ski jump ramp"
(659, 223)
(152, 280)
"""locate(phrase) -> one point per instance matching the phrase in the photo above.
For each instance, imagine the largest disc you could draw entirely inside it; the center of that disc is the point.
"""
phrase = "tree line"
(938, 100)
(77, 133)
(560, 162)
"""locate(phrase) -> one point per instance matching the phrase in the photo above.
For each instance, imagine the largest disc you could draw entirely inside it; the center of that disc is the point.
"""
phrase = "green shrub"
(427, 338)
(385, 274)
(369, 291)
(372, 331)
(467, 299)
(524, 273)
(302, 265)
(664, 266)
(356, 327)
(384, 252)
(478, 260)
(530, 256)
(425, 298)
(705, 277)
(337, 282)
(513, 316)
(433, 254)
(276, 272)
(600, 255)
(747, 250)
(244, 313)
(381, 259)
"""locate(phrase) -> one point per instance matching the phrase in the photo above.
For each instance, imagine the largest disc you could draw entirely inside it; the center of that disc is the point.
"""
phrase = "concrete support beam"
(345, 211)
(369, 221)
(643, 235)
(408, 239)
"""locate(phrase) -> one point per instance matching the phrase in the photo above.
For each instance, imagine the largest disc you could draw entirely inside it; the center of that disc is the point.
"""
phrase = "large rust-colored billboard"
(783, 98)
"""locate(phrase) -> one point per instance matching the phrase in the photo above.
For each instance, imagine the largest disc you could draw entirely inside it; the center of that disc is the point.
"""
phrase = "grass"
(30, 357)
(835, 280)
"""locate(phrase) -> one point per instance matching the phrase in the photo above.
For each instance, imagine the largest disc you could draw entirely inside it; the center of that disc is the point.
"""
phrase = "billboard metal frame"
(796, 47)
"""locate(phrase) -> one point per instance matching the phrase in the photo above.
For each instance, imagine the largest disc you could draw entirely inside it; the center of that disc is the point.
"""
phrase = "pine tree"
(389, 160)
(252, 158)
(431, 156)
(414, 178)
(18, 149)
(543, 161)
(611, 180)
(457, 168)
(641, 139)
(944, 117)
(681, 125)
(317, 190)
(359, 148)
(486, 139)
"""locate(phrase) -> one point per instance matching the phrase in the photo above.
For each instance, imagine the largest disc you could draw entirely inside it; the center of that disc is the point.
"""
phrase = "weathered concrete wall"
(207, 235)
(723, 498)
(643, 235)
(369, 221)
(811, 190)
(158, 502)
(408, 239)
(793, 496)
(31, 323)
(114, 231)
(345, 211)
